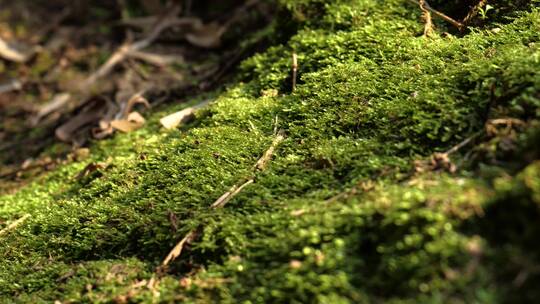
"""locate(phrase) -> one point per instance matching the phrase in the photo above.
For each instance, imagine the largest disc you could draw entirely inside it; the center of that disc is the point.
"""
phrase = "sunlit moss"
(339, 215)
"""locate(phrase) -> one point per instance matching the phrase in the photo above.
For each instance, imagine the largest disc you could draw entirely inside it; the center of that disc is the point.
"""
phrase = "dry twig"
(294, 70)
(426, 15)
(9, 52)
(14, 224)
(474, 11)
(11, 85)
(261, 163)
(224, 199)
(128, 48)
(444, 17)
(462, 144)
(173, 120)
(177, 250)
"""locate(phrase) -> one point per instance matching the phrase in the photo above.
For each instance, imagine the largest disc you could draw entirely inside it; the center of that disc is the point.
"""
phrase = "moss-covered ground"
(355, 205)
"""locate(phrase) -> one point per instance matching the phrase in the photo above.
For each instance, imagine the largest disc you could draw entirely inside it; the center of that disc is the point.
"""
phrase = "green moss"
(373, 97)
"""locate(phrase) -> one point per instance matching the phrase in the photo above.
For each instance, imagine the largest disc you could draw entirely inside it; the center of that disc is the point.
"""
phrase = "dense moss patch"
(341, 214)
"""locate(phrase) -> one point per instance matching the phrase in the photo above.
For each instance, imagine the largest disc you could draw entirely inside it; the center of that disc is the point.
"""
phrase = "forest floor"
(269, 151)
(70, 70)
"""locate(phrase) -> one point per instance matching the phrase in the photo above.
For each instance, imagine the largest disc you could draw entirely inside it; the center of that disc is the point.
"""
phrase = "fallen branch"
(16, 172)
(127, 48)
(57, 102)
(14, 224)
(462, 144)
(444, 17)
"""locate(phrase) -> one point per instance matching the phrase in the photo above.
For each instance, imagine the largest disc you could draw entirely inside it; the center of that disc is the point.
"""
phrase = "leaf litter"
(173, 52)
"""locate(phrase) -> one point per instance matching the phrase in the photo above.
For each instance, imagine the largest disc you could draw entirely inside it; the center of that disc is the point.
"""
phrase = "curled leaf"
(174, 120)
(206, 36)
(133, 122)
(10, 52)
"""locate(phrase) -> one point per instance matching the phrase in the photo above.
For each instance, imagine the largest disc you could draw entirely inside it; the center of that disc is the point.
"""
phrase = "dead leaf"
(135, 99)
(133, 122)
(14, 53)
(174, 120)
(105, 129)
(207, 36)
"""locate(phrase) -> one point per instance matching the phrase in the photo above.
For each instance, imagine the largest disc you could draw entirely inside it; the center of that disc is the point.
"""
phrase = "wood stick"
(127, 48)
(444, 17)
(462, 144)
(294, 70)
(426, 15)
(224, 199)
(14, 224)
(263, 161)
(177, 250)
(474, 11)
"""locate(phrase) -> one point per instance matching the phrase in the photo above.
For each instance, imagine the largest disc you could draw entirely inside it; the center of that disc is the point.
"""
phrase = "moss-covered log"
(353, 207)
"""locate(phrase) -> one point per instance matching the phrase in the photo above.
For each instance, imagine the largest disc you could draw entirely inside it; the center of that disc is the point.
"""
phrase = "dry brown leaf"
(133, 122)
(207, 36)
(135, 99)
(12, 53)
(104, 128)
(174, 120)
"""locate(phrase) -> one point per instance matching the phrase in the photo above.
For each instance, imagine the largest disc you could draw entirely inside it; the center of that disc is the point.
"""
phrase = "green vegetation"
(352, 207)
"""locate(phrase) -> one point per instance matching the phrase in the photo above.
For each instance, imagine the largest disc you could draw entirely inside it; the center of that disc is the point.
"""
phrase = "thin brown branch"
(263, 161)
(224, 199)
(474, 11)
(128, 48)
(14, 224)
(440, 15)
(177, 250)
(294, 70)
(462, 144)
(426, 15)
